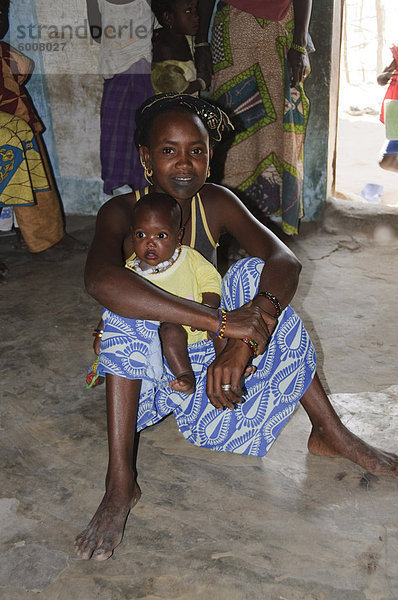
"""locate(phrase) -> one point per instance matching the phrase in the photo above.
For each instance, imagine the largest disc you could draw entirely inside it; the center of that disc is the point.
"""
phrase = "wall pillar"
(322, 88)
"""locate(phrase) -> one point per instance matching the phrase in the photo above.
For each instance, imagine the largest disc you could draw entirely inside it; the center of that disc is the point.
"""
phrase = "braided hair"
(213, 118)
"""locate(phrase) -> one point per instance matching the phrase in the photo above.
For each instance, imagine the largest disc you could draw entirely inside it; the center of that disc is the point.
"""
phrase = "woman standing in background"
(259, 52)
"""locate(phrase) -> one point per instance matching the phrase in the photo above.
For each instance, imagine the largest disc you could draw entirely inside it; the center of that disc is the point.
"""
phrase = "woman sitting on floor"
(175, 133)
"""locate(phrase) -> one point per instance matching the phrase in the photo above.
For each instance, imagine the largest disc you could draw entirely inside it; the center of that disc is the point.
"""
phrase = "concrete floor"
(290, 526)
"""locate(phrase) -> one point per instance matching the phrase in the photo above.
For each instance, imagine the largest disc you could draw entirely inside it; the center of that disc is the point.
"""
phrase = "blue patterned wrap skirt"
(131, 348)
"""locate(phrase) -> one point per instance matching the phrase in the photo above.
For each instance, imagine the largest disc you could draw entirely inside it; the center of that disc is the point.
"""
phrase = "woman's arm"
(302, 16)
(229, 215)
(203, 59)
(211, 299)
(298, 61)
(385, 76)
(129, 295)
(94, 20)
(21, 66)
(279, 277)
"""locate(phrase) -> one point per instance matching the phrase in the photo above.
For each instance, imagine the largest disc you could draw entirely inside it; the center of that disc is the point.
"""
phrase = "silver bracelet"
(202, 44)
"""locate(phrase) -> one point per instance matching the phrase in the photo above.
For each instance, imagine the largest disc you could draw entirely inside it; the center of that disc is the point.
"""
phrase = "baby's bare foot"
(184, 383)
(250, 369)
(105, 530)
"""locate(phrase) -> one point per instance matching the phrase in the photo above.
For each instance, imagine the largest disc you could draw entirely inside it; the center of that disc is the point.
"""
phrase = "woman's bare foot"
(329, 437)
(184, 383)
(345, 444)
(106, 528)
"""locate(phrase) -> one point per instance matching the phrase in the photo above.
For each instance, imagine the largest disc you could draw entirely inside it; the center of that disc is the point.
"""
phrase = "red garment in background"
(271, 10)
(392, 90)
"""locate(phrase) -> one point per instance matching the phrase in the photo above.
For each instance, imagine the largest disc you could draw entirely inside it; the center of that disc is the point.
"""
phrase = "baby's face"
(155, 237)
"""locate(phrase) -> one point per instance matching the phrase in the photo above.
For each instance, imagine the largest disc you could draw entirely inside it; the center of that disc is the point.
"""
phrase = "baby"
(181, 270)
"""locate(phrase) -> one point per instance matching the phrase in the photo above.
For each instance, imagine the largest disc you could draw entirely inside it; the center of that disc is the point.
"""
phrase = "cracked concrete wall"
(66, 89)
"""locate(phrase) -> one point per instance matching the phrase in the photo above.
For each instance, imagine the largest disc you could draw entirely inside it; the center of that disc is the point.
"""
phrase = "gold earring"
(208, 172)
(147, 173)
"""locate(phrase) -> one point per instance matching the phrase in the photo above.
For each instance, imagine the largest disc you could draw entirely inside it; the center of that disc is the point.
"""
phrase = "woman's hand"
(251, 322)
(224, 374)
(299, 66)
(227, 370)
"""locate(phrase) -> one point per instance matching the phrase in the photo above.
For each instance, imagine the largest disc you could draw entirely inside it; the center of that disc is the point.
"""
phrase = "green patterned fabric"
(252, 84)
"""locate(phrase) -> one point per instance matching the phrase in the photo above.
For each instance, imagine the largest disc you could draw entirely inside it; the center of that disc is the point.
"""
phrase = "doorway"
(368, 30)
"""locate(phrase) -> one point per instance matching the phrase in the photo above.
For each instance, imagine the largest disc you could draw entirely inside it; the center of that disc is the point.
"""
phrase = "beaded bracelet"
(298, 48)
(98, 333)
(222, 314)
(274, 301)
(252, 345)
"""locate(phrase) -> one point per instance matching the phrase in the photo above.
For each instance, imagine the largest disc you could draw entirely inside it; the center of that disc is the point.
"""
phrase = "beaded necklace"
(160, 267)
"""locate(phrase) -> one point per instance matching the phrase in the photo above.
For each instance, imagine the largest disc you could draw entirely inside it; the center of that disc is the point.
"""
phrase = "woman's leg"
(329, 437)
(271, 394)
(388, 158)
(105, 530)
(389, 163)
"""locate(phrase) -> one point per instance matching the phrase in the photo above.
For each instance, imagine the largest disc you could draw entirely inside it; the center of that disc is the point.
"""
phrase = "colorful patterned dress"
(26, 177)
(22, 172)
(264, 164)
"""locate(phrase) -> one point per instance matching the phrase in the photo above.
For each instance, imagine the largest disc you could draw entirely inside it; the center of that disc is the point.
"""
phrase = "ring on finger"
(226, 387)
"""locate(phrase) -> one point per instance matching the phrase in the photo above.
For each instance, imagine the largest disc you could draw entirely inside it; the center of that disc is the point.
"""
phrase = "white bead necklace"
(160, 267)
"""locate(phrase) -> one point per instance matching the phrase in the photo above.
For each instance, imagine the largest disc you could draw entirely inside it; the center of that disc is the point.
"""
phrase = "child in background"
(389, 153)
(173, 68)
(181, 270)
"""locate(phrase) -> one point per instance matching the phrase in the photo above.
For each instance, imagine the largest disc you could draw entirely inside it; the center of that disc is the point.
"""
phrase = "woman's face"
(178, 152)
